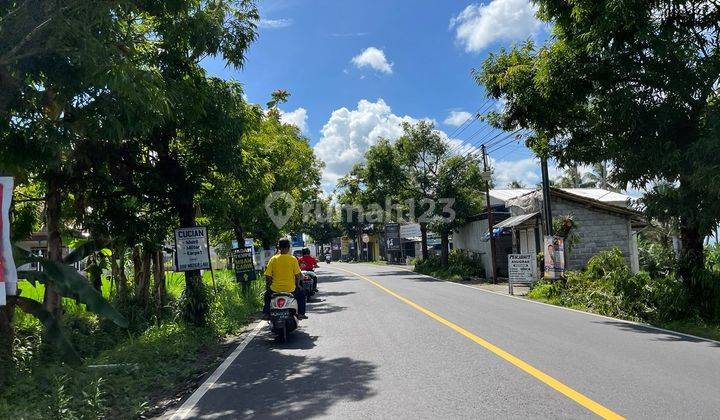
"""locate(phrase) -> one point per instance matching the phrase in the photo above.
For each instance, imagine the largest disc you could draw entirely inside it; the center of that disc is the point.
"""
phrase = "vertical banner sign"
(244, 266)
(345, 245)
(8, 275)
(392, 233)
(192, 249)
(554, 264)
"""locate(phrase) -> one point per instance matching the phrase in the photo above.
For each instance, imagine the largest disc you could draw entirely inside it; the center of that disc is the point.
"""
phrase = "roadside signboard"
(8, 274)
(410, 230)
(243, 264)
(520, 270)
(392, 233)
(345, 245)
(296, 240)
(554, 263)
(192, 249)
(256, 256)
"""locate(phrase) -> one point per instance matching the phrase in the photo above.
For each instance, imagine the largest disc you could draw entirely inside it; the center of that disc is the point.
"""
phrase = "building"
(603, 221)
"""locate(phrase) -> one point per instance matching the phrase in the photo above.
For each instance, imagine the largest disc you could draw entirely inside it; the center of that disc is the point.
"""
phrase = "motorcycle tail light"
(280, 302)
(307, 277)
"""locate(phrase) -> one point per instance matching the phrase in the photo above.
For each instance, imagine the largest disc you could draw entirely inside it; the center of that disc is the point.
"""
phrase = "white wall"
(470, 238)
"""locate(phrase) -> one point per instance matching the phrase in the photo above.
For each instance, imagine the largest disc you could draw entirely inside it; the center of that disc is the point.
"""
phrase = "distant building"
(603, 218)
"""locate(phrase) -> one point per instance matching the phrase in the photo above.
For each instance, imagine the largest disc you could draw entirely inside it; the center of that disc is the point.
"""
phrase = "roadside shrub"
(658, 260)
(460, 266)
(608, 287)
(466, 265)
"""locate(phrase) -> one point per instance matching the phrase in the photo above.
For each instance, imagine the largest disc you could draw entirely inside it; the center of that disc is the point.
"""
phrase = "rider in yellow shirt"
(283, 275)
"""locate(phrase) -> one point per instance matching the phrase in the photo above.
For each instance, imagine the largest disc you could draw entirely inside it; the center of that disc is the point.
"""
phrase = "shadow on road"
(391, 273)
(269, 384)
(328, 294)
(659, 335)
(323, 307)
(325, 277)
(297, 340)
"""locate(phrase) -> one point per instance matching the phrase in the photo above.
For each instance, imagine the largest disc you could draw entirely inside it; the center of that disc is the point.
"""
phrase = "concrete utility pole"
(547, 211)
(491, 222)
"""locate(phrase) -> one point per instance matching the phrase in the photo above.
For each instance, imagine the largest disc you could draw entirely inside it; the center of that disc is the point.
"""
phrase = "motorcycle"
(283, 315)
(308, 283)
(328, 258)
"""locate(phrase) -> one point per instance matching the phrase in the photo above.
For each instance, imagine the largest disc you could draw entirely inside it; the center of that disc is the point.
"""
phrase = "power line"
(463, 143)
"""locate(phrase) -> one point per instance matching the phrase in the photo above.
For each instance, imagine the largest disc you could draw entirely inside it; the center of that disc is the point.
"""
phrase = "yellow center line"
(548, 380)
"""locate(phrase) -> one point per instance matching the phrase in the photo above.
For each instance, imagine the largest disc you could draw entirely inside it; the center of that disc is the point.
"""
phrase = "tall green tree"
(635, 84)
(460, 196)
(421, 151)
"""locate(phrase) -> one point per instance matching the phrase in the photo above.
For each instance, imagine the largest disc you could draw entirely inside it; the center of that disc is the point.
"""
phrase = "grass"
(124, 371)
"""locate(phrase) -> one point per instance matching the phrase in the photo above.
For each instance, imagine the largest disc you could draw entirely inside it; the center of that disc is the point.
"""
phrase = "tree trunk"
(445, 248)
(691, 266)
(95, 272)
(239, 234)
(160, 289)
(195, 305)
(142, 276)
(52, 301)
(7, 336)
(423, 240)
(117, 265)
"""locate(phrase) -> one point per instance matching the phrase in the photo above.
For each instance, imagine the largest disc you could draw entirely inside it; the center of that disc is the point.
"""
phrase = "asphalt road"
(393, 344)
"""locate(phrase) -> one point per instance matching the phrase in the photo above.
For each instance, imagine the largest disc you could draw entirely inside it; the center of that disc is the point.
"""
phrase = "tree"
(638, 90)
(460, 196)
(571, 178)
(516, 184)
(420, 152)
(600, 176)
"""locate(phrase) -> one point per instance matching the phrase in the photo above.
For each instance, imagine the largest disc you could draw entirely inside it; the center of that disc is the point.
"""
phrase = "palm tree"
(600, 177)
(571, 178)
(516, 184)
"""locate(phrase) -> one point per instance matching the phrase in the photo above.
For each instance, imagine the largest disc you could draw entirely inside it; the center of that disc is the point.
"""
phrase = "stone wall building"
(603, 221)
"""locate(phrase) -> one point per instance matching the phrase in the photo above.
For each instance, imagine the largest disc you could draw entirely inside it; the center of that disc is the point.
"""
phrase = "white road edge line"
(640, 324)
(189, 404)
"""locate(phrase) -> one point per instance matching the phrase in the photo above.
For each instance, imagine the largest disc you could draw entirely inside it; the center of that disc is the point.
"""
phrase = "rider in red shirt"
(308, 263)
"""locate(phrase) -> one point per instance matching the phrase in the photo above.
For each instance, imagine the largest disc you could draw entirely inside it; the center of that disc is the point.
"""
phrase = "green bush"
(607, 287)
(460, 266)
(658, 260)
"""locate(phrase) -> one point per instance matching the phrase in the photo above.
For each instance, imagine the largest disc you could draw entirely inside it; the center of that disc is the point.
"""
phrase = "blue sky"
(356, 69)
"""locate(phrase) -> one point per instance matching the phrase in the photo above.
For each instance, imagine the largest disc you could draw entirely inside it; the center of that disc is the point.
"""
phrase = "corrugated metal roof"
(507, 194)
(600, 194)
(516, 220)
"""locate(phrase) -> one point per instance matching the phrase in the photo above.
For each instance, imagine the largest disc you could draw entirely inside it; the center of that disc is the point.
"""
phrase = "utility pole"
(491, 222)
(547, 211)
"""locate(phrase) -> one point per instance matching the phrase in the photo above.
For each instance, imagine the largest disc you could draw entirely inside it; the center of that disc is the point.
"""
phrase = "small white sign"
(410, 230)
(520, 269)
(191, 249)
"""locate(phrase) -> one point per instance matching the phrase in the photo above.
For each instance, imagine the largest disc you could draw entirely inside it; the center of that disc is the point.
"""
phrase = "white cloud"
(527, 171)
(350, 132)
(457, 118)
(479, 25)
(298, 118)
(275, 23)
(374, 58)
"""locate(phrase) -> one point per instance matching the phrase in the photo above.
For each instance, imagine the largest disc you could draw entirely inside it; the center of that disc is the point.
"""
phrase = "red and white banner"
(8, 274)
